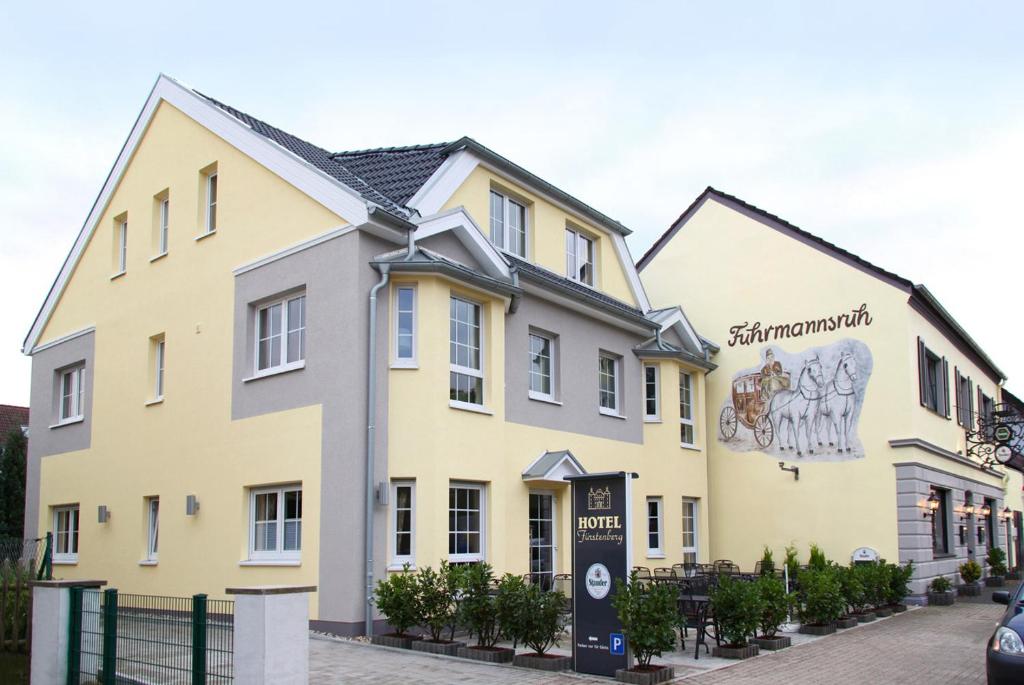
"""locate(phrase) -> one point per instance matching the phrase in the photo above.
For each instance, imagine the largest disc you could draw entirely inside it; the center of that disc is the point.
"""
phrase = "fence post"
(46, 564)
(271, 638)
(198, 639)
(110, 637)
(75, 636)
(53, 629)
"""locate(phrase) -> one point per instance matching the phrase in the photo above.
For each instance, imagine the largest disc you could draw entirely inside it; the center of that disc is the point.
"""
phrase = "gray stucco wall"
(337, 278)
(448, 245)
(580, 340)
(45, 438)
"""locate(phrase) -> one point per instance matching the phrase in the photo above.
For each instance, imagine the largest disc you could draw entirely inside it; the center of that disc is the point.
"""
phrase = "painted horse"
(799, 406)
(840, 403)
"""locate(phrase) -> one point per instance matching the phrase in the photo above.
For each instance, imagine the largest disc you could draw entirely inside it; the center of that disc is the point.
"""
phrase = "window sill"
(405, 365)
(395, 566)
(655, 555)
(68, 422)
(652, 420)
(466, 406)
(692, 448)
(612, 414)
(276, 371)
(270, 562)
(156, 257)
(155, 400)
(65, 562)
(148, 562)
(206, 235)
(934, 556)
(118, 275)
(544, 398)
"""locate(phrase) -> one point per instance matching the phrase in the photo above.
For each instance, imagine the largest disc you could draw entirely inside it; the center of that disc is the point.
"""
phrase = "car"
(1004, 658)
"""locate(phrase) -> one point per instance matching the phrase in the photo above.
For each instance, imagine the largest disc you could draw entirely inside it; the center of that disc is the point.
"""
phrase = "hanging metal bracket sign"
(997, 437)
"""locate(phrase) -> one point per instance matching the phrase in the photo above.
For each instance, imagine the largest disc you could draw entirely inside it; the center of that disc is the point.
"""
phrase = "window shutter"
(981, 403)
(945, 387)
(921, 373)
(970, 404)
(957, 397)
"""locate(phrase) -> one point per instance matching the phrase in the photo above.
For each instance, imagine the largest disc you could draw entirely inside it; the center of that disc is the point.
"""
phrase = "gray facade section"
(45, 437)
(914, 484)
(448, 245)
(579, 340)
(336, 278)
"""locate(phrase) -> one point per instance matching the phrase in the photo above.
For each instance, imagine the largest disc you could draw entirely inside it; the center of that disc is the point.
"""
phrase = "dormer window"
(508, 224)
(579, 257)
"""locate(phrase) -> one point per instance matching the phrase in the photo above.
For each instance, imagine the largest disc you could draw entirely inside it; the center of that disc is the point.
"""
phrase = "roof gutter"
(482, 282)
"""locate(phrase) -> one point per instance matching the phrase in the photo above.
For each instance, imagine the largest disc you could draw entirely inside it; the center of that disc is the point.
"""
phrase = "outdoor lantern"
(985, 510)
(968, 509)
(931, 505)
(1006, 513)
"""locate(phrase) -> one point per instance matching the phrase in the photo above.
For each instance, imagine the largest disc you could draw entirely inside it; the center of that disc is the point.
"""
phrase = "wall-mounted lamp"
(795, 470)
(985, 510)
(968, 510)
(102, 513)
(1006, 514)
(191, 505)
(931, 505)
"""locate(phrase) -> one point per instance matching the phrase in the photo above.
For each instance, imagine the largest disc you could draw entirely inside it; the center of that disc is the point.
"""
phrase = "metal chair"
(665, 574)
(562, 582)
(681, 570)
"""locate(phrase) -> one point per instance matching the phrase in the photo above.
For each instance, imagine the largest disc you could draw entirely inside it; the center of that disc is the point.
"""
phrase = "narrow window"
(211, 202)
(122, 247)
(275, 529)
(165, 218)
(541, 353)
(940, 523)
(153, 538)
(579, 257)
(65, 533)
(651, 409)
(608, 384)
(466, 379)
(497, 220)
(465, 523)
(508, 224)
(72, 393)
(405, 325)
(403, 497)
(281, 334)
(934, 380)
(686, 424)
(690, 521)
(654, 528)
(159, 389)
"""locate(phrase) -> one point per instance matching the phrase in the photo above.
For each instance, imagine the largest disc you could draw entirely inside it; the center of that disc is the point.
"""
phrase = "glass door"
(542, 539)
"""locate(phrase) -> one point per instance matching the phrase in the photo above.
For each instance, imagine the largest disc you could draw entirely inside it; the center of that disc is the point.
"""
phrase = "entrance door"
(542, 538)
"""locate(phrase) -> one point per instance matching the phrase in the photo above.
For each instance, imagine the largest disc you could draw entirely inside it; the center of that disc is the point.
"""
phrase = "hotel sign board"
(600, 556)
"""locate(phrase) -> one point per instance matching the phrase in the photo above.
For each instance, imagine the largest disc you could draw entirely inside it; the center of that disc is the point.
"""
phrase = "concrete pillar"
(51, 611)
(271, 640)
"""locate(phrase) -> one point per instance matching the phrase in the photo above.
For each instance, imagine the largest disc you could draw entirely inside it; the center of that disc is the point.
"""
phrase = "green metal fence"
(125, 638)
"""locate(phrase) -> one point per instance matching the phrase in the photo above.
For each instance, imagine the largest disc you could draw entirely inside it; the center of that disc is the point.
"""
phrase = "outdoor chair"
(695, 612)
(665, 574)
(681, 570)
(761, 568)
(562, 582)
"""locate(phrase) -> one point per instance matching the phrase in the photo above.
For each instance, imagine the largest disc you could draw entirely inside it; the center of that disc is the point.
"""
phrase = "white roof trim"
(459, 222)
(443, 183)
(632, 276)
(676, 317)
(318, 185)
(293, 249)
(65, 338)
(573, 467)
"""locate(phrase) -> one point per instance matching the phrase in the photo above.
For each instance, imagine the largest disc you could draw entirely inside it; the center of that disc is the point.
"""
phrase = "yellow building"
(852, 374)
(247, 321)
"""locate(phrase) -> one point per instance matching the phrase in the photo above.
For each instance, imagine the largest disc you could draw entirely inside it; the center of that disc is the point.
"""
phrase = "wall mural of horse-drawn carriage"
(806, 404)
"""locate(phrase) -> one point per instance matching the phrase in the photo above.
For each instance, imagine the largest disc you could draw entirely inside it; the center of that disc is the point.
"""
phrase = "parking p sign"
(617, 644)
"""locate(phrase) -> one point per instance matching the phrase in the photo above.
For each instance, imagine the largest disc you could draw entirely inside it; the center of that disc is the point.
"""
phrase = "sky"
(891, 129)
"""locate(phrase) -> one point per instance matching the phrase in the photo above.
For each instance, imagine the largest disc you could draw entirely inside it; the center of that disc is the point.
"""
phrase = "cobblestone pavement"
(932, 645)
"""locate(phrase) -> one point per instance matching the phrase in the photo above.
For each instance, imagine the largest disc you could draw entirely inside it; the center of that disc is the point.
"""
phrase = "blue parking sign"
(617, 644)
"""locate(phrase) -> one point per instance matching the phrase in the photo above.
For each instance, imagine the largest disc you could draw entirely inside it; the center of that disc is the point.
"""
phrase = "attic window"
(508, 224)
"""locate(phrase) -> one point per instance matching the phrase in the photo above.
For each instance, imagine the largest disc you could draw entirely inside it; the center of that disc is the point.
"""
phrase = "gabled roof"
(12, 417)
(920, 299)
(552, 466)
(397, 172)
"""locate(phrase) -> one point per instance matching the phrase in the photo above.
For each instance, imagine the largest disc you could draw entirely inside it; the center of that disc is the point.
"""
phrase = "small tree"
(767, 562)
(851, 587)
(792, 561)
(940, 584)
(396, 597)
(875, 578)
(510, 607)
(478, 608)
(435, 608)
(821, 597)
(776, 605)
(817, 561)
(996, 560)
(737, 607)
(970, 571)
(12, 483)
(648, 615)
(453, 578)
(542, 619)
(899, 582)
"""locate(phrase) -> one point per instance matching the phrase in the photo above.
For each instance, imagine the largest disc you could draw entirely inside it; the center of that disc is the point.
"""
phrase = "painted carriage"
(751, 399)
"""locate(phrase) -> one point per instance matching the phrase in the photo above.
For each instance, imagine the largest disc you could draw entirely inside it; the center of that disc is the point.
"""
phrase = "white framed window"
(405, 325)
(466, 377)
(275, 522)
(72, 394)
(542, 357)
(686, 424)
(122, 246)
(652, 393)
(153, 528)
(508, 224)
(211, 202)
(608, 382)
(579, 257)
(158, 385)
(655, 528)
(403, 523)
(163, 228)
(65, 533)
(690, 523)
(281, 334)
(465, 522)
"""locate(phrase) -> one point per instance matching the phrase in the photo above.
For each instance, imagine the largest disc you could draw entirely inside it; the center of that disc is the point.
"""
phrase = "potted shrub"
(479, 613)
(970, 572)
(940, 592)
(648, 615)
(852, 590)
(540, 625)
(876, 588)
(821, 601)
(996, 561)
(792, 564)
(899, 585)
(396, 598)
(776, 605)
(509, 605)
(436, 610)
(737, 609)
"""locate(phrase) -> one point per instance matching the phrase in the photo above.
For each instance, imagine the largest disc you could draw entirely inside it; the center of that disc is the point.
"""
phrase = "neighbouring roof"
(12, 417)
(920, 298)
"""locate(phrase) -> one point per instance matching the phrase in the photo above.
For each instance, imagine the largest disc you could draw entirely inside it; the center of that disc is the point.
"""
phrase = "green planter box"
(492, 655)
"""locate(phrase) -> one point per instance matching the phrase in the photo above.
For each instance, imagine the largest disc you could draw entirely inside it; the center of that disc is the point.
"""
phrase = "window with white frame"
(542, 352)
(153, 536)
(608, 379)
(686, 424)
(655, 529)
(122, 246)
(508, 224)
(72, 394)
(652, 410)
(281, 334)
(403, 529)
(579, 257)
(405, 325)
(275, 522)
(465, 522)
(211, 202)
(163, 228)
(690, 522)
(65, 533)
(466, 378)
(158, 351)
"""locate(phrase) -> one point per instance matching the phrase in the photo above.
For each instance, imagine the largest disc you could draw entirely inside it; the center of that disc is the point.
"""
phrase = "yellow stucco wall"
(188, 444)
